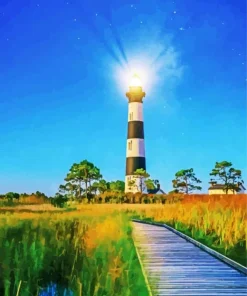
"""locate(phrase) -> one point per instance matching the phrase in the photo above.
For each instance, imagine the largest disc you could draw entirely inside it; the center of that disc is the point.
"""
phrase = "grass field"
(83, 253)
(89, 250)
(219, 222)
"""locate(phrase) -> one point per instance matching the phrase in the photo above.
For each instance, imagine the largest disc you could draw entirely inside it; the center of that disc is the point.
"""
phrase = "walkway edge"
(216, 254)
(142, 268)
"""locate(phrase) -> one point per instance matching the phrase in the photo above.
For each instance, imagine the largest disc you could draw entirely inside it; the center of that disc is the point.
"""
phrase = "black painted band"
(135, 130)
(134, 163)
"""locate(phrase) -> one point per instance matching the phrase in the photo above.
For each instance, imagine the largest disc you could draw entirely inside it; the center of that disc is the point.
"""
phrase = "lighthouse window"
(130, 145)
(131, 116)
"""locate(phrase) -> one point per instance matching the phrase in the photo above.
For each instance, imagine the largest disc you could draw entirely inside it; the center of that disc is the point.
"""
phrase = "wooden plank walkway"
(174, 266)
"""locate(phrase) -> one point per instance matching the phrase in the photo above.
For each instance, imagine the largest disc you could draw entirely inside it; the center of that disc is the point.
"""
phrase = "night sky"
(64, 68)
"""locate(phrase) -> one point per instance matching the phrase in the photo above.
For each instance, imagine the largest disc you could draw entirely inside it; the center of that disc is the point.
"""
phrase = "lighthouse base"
(137, 184)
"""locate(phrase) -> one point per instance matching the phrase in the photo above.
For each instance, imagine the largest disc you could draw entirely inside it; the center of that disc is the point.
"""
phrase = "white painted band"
(135, 148)
(135, 111)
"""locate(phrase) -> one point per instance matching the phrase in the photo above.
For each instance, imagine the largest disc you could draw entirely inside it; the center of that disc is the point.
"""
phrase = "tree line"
(186, 182)
(84, 180)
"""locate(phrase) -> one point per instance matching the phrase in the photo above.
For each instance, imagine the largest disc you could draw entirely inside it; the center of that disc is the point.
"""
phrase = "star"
(131, 5)
(242, 63)
(190, 98)
(78, 38)
(141, 22)
(181, 29)
(222, 23)
(174, 11)
(75, 20)
(38, 5)
(239, 54)
(164, 106)
(96, 14)
(182, 134)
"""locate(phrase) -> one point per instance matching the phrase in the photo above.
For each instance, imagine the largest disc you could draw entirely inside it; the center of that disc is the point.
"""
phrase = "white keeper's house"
(219, 189)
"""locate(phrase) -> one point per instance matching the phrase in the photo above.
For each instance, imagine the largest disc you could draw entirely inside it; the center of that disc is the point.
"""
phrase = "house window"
(130, 145)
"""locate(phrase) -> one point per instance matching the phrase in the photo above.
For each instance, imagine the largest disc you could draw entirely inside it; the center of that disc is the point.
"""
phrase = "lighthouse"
(135, 152)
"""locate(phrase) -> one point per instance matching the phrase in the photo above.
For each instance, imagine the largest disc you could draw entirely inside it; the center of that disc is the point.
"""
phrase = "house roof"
(221, 186)
(155, 191)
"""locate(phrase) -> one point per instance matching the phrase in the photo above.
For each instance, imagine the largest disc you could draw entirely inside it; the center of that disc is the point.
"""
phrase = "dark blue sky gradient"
(60, 100)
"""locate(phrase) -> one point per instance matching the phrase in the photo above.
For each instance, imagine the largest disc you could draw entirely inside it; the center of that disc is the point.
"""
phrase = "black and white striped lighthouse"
(135, 154)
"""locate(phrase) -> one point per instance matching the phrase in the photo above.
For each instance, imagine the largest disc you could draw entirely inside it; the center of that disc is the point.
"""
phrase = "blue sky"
(63, 78)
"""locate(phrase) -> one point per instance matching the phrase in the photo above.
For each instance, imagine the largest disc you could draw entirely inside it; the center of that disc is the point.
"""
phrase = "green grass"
(72, 251)
(237, 253)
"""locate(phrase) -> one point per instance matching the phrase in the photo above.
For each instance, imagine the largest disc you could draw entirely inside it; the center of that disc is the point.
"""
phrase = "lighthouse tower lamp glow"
(135, 154)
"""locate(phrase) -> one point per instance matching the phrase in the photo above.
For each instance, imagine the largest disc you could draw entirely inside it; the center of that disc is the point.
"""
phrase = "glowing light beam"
(90, 24)
(135, 81)
(117, 37)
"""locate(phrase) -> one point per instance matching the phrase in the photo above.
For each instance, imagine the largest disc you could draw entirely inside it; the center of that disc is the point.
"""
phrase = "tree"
(231, 178)
(103, 186)
(150, 184)
(140, 175)
(117, 186)
(59, 200)
(69, 189)
(12, 195)
(185, 181)
(94, 174)
(94, 187)
(83, 173)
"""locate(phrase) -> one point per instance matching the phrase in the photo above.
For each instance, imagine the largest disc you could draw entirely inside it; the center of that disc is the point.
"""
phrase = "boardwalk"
(174, 266)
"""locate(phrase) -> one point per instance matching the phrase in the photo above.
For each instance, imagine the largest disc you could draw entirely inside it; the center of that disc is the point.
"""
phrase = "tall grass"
(90, 254)
(219, 222)
(89, 251)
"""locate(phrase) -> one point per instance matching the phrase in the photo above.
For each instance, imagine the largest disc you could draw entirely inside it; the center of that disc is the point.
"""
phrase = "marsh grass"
(219, 222)
(90, 254)
(31, 208)
(88, 249)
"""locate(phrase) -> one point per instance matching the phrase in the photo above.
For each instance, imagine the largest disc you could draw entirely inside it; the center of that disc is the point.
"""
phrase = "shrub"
(59, 200)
